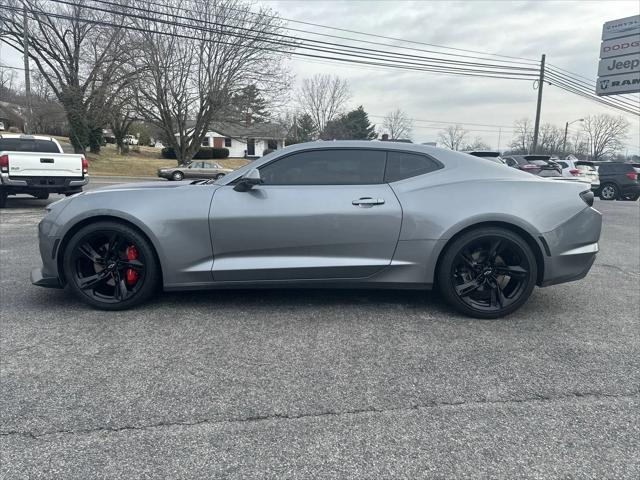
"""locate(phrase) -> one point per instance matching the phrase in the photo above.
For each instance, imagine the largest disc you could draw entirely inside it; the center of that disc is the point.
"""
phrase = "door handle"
(368, 202)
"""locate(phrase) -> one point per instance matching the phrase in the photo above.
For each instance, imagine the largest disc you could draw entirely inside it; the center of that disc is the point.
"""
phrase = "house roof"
(255, 130)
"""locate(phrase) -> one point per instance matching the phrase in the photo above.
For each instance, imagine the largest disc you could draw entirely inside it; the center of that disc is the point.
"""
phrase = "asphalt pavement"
(321, 383)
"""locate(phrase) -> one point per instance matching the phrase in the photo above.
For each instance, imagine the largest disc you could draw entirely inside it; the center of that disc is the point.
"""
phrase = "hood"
(140, 186)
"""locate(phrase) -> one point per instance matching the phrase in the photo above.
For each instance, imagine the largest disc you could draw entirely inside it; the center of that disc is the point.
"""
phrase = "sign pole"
(536, 127)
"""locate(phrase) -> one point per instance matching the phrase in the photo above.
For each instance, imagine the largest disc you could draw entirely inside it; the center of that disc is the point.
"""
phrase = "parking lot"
(321, 383)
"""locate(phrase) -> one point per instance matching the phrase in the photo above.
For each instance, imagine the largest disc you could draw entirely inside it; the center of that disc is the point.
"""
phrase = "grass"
(143, 162)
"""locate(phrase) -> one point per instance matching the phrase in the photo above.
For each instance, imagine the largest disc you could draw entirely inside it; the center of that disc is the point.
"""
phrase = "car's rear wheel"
(487, 273)
(110, 266)
(609, 192)
(218, 176)
(3, 199)
(177, 176)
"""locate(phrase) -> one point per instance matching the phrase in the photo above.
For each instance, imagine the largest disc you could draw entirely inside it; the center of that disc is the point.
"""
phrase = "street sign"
(621, 27)
(619, 84)
(619, 67)
(620, 46)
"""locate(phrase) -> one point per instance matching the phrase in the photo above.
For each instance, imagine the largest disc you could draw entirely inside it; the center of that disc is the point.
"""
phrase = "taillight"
(574, 171)
(632, 176)
(4, 163)
(85, 166)
(529, 167)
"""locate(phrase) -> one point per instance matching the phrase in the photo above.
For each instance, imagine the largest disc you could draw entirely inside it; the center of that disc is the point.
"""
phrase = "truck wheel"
(3, 199)
(41, 195)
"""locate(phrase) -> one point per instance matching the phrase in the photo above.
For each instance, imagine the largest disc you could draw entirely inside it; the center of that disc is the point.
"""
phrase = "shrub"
(205, 153)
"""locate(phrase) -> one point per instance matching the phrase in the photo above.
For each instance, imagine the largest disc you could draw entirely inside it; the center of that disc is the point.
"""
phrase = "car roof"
(25, 137)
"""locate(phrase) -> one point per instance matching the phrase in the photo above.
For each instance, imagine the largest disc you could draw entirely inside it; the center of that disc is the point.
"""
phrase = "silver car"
(328, 214)
(197, 169)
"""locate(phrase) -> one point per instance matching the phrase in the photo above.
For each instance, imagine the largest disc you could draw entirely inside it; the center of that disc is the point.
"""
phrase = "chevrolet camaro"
(328, 214)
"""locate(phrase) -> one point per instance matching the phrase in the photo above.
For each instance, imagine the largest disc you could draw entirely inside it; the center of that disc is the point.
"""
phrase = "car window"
(327, 167)
(206, 165)
(401, 165)
(563, 164)
(195, 165)
(215, 165)
(28, 145)
(510, 161)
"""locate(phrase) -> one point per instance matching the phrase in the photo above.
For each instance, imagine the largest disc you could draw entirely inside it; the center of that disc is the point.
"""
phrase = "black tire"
(218, 176)
(177, 176)
(487, 273)
(41, 195)
(3, 199)
(93, 273)
(633, 198)
(609, 191)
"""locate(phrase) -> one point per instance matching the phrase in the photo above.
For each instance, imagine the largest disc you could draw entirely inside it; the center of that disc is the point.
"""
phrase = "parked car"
(197, 169)
(540, 165)
(487, 154)
(618, 181)
(331, 214)
(581, 172)
(130, 140)
(37, 166)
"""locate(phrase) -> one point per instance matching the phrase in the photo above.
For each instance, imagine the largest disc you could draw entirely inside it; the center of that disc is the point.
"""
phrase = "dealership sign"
(619, 67)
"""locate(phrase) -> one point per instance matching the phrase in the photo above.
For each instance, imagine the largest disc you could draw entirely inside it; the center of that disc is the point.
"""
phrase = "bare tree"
(523, 136)
(190, 73)
(550, 140)
(323, 98)
(605, 135)
(453, 136)
(76, 54)
(477, 144)
(398, 125)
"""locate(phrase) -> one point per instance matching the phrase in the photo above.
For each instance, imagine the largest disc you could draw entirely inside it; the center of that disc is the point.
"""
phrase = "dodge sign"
(619, 67)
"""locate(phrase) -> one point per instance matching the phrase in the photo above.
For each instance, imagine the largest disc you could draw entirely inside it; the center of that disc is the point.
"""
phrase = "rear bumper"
(572, 248)
(42, 184)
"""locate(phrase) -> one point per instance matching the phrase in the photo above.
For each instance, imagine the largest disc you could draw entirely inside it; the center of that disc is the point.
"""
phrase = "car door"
(194, 170)
(320, 214)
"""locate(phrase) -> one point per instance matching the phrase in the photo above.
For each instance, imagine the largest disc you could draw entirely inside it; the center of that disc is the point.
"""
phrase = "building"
(246, 141)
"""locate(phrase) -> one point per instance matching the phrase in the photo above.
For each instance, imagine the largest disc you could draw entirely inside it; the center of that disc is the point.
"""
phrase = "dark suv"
(618, 180)
(540, 165)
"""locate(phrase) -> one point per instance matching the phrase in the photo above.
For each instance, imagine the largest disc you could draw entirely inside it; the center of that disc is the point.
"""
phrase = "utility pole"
(27, 75)
(564, 142)
(499, 137)
(536, 128)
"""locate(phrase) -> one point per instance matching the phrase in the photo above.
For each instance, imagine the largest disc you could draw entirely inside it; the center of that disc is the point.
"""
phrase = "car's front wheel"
(110, 266)
(487, 273)
(609, 192)
(177, 176)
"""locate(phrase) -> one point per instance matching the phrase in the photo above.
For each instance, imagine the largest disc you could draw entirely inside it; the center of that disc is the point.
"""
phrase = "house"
(245, 140)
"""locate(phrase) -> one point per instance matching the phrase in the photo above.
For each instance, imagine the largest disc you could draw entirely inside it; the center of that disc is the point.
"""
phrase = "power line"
(367, 59)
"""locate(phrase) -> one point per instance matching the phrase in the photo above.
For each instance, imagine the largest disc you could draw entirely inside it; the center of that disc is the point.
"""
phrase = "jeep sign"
(619, 67)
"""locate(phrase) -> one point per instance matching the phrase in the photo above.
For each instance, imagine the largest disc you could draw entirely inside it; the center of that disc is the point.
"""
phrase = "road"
(321, 384)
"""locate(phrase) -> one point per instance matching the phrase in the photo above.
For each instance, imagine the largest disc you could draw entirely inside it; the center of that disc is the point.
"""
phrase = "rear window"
(616, 168)
(28, 145)
(563, 164)
(401, 165)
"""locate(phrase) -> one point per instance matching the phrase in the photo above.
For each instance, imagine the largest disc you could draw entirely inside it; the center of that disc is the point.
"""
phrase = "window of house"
(327, 167)
(401, 165)
(272, 144)
(227, 142)
(205, 142)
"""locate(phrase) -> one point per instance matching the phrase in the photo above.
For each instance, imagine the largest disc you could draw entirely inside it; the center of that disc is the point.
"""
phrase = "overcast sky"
(568, 32)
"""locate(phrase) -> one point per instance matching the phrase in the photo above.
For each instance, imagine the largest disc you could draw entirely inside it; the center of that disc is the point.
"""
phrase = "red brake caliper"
(132, 275)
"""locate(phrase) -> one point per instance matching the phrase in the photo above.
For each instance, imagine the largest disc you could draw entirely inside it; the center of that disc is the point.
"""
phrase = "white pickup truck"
(37, 166)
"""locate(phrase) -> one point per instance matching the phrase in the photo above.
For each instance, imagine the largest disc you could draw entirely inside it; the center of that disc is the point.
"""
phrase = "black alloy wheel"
(111, 266)
(488, 273)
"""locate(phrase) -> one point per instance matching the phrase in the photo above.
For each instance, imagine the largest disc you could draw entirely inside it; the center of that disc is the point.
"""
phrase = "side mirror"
(248, 181)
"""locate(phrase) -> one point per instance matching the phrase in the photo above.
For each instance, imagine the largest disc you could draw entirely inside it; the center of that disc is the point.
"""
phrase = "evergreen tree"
(303, 130)
(249, 100)
(352, 126)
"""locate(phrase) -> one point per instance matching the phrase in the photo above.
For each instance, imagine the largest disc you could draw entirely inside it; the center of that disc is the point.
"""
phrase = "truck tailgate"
(27, 164)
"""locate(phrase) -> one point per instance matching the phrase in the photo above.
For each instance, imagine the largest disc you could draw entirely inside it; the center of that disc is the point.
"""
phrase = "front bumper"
(39, 278)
